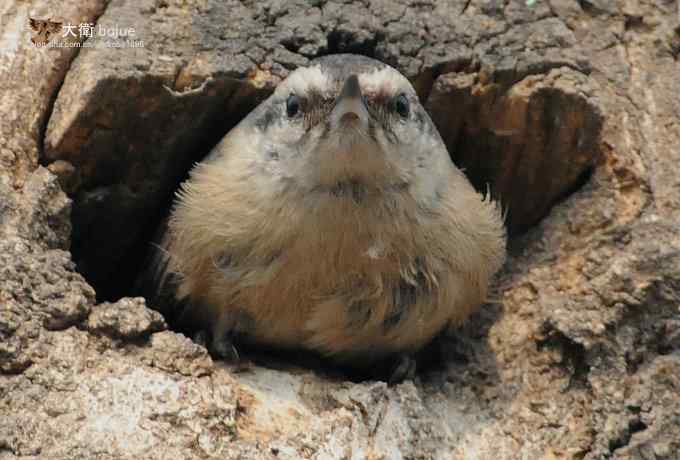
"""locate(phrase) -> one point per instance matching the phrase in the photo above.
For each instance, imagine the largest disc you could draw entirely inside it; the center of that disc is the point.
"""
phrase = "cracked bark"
(578, 360)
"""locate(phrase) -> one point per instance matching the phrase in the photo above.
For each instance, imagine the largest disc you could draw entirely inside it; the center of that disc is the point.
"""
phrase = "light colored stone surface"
(579, 358)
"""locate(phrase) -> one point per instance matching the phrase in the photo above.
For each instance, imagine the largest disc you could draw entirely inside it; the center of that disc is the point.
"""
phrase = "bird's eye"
(402, 106)
(292, 105)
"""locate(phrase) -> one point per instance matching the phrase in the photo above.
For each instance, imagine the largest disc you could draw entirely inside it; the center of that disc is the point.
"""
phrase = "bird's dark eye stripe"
(401, 105)
(292, 105)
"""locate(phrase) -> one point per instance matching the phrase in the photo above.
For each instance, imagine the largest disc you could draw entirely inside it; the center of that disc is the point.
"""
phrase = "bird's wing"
(35, 24)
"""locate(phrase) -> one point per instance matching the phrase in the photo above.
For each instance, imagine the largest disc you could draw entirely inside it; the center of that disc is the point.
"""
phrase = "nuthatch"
(331, 219)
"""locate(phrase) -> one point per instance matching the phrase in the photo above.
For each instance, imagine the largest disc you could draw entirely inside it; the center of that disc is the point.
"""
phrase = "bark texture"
(567, 110)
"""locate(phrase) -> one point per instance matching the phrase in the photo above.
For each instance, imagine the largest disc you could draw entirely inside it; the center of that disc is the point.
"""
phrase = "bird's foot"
(220, 346)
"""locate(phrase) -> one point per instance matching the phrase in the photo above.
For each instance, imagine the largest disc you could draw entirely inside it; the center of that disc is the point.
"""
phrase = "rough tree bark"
(568, 109)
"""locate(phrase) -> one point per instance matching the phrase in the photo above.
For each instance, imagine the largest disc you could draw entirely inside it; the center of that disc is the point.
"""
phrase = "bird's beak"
(350, 108)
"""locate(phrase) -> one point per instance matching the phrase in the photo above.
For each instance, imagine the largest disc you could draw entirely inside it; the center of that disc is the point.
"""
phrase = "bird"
(331, 219)
(44, 29)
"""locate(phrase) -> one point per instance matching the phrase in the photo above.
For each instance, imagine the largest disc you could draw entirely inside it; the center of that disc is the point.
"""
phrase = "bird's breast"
(349, 278)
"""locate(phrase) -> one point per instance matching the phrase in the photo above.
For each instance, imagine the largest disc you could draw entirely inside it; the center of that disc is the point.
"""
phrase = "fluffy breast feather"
(300, 267)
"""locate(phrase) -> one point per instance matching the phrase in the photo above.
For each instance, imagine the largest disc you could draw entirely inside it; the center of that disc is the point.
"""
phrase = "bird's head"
(347, 120)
